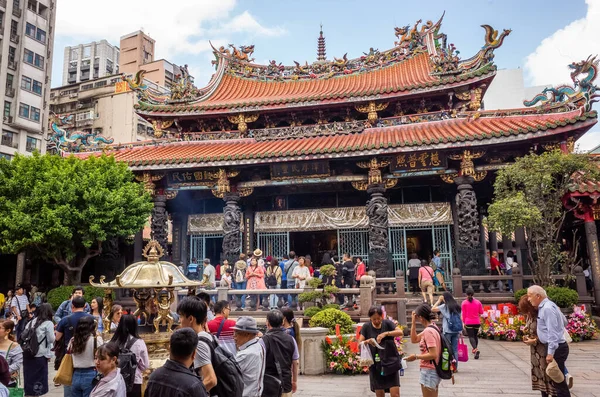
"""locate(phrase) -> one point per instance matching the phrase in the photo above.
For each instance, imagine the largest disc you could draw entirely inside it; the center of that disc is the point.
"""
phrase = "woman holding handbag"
(83, 347)
(35, 369)
(472, 310)
(383, 374)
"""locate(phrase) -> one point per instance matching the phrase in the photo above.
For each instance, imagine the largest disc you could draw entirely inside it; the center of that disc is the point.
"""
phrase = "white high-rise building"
(26, 43)
(90, 61)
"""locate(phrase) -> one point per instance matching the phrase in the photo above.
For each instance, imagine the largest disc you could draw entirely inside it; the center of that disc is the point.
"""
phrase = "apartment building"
(26, 42)
(137, 52)
(89, 61)
(104, 106)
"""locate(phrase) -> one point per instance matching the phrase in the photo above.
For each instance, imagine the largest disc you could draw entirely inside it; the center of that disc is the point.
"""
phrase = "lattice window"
(355, 242)
(198, 245)
(397, 238)
(274, 244)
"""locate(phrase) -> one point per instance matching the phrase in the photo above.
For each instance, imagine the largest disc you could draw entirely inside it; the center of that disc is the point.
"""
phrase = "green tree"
(528, 194)
(64, 208)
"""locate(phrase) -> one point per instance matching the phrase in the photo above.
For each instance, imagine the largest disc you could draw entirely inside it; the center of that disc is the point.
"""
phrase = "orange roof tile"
(419, 136)
(235, 92)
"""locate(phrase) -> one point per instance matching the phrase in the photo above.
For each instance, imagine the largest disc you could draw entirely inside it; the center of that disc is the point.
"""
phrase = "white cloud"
(589, 141)
(245, 22)
(180, 27)
(573, 43)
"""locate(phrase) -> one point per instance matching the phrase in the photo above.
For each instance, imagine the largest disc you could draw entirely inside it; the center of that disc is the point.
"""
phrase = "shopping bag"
(366, 359)
(64, 375)
(16, 391)
(463, 351)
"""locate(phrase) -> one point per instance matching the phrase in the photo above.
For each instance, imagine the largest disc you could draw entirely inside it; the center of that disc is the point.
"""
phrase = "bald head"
(536, 294)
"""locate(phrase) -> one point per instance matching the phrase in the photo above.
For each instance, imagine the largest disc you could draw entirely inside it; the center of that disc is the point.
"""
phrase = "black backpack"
(444, 344)
(271, 279)
(29, 341)
(128, 363)
(229, 375)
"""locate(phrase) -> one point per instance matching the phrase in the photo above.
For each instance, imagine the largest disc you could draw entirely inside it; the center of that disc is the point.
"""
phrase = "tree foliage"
(64, 208)
(528, 194)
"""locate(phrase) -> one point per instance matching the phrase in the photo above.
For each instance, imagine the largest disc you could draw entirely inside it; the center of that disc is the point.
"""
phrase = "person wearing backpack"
(239, 276)
(273, 281)
(452, 324)
(431, 350)
(37, 350)
(220, 373)
(133, 354)
(111, 382)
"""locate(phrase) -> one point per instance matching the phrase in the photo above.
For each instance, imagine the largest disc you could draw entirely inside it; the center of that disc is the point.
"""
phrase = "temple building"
(382, 156)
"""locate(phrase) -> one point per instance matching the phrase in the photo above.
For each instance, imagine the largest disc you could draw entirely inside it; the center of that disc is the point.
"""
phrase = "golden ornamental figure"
(164, 298)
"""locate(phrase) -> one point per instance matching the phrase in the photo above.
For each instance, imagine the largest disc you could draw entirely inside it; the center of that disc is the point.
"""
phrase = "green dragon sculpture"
(583, 91)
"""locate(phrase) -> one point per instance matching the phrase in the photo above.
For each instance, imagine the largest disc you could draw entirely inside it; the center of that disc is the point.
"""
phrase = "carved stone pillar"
(159, 226)
(469, 238)
(232, 216)
(377, 211)
(176, 242)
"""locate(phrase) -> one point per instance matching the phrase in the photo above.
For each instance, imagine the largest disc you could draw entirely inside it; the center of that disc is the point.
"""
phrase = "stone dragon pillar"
(377, 212)
(159, 225)
(468, 242)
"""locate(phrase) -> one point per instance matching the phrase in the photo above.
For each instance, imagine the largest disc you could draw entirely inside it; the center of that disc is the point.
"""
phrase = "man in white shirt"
(209, 274)
(19, 305)
(250, 356)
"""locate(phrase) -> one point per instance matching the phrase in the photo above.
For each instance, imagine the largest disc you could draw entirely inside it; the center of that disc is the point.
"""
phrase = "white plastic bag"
(366, 359)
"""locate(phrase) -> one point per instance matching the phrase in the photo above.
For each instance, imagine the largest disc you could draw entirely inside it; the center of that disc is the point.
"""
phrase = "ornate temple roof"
(420, 61)
(586, 187)
(472, 129)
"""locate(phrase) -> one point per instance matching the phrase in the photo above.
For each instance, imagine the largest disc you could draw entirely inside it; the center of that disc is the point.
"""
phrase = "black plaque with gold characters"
(418, 161)
(300, 169)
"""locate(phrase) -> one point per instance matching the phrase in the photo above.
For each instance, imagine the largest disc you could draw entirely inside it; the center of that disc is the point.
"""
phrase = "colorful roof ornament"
(77, 141)
(583, 93)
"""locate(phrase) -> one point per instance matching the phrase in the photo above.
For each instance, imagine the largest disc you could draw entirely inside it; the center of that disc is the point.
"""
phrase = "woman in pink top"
(255, 275)
(472, 310)
(426, 281)
(429, 344)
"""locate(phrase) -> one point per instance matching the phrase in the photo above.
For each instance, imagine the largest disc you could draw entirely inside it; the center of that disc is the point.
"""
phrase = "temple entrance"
(419, 241)
(314, 243)
(208, 245)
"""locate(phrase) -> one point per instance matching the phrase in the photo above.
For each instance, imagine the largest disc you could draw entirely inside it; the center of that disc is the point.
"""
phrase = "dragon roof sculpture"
(582, 93)
(78, 141)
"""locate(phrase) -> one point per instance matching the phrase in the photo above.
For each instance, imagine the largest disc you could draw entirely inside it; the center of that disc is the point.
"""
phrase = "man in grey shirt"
(550, 332)
(250, 356)
(208, 274)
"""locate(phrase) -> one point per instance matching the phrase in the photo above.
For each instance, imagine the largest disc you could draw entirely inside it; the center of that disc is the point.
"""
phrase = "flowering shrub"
(581, 326)
(342, 355)
(511, 327)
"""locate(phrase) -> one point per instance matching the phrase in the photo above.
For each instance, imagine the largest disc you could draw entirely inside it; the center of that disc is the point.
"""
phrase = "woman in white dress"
(301, 273)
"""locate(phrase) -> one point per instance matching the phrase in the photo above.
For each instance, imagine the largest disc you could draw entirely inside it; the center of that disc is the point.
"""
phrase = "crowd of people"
(253, 272)
(438, 346)
(210, 354)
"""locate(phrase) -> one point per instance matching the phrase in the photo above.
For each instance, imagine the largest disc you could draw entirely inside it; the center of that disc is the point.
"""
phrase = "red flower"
(328, 340)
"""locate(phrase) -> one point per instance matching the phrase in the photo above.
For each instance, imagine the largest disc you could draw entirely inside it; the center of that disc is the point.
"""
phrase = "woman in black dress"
(383, 374)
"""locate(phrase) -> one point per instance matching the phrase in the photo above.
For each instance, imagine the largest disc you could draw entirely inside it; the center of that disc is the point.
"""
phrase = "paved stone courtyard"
(503, 370)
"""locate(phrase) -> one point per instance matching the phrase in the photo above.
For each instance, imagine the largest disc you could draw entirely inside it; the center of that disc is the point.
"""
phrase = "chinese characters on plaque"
(192, 178)
(307, 169)
(418, 161)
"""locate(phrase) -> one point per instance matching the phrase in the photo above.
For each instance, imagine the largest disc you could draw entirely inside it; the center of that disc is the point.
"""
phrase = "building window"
(16, 4)
(101, 83)
(5, 156)
(32, 5)
(28, 56)
(26, 83)
(11, 54)
(87, 87)
(24, 110)
(32, 144)
(14, 27)
(74, 54)
(30, 30)
(10, 139)
(141, 128)
(39, 61)
(37, 87)
(87, 51)
(7, 106)
(40, 35)
(35, 114)
(9, 81)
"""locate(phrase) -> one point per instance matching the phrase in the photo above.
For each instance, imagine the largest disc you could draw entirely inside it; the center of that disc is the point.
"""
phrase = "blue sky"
(546, 35)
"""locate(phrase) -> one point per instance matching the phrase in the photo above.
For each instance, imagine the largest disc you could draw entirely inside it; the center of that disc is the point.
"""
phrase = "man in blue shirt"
(64, 309)
(192, 270)
(550, 331)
